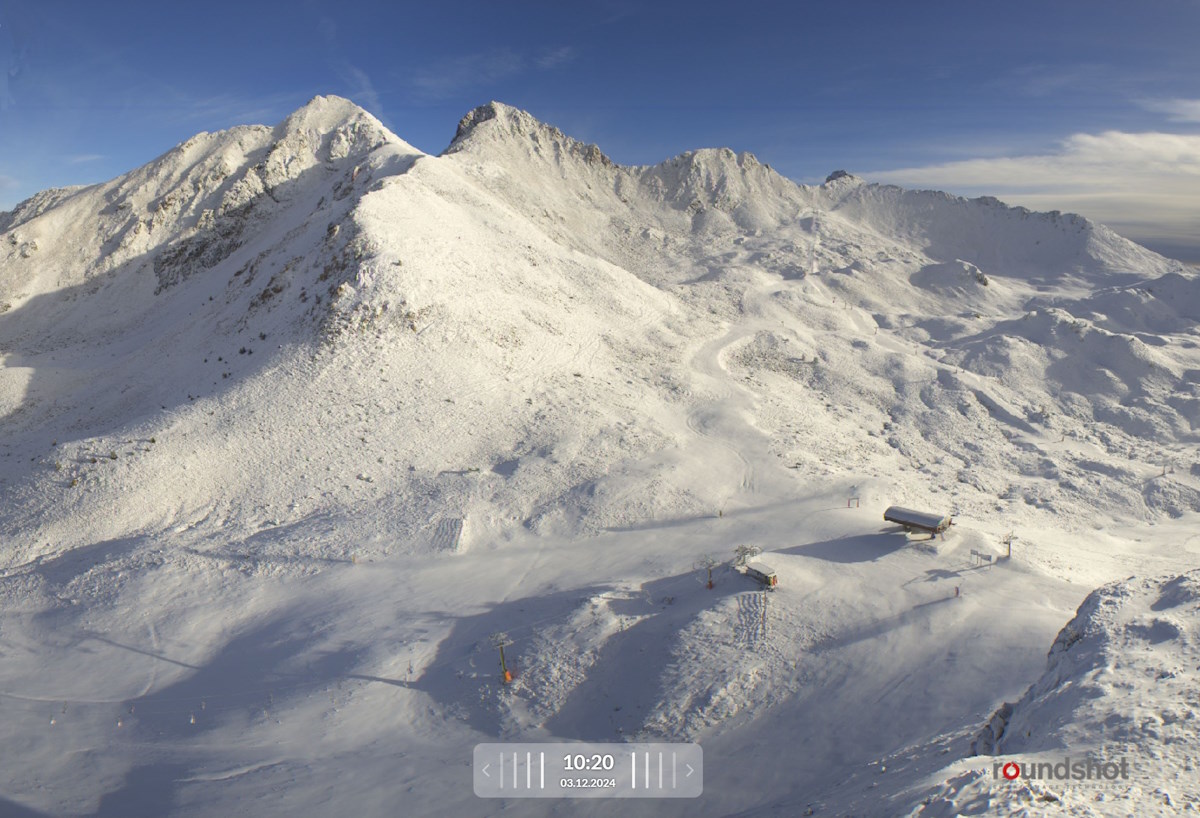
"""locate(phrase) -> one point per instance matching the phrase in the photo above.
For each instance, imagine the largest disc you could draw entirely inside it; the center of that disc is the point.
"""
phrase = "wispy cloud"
(1042, 80)
(469, 72)
(82, 158)
(361, 89)
(1066, 82)
(359, 86)
(7, 182)
(223, 110)
(448, 77)
(1144, 184)
(555, 56)
(11, 62)
(1177, 110)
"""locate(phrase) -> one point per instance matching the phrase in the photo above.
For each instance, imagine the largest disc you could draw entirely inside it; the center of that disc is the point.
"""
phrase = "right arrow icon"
(690, 770)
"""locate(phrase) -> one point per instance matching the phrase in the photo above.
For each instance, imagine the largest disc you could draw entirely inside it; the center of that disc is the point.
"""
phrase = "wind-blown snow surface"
(295, 419)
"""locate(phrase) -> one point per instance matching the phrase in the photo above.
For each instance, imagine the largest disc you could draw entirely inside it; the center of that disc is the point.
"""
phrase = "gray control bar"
(588, 770)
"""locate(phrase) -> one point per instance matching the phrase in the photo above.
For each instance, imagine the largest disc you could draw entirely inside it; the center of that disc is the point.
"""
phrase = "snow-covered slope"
(293, 419)
(1124, 669)
(1109, 729)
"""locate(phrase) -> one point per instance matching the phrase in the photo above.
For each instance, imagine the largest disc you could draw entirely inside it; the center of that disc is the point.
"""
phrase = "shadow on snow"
(861, 548)
(619, 689)
(251, 673)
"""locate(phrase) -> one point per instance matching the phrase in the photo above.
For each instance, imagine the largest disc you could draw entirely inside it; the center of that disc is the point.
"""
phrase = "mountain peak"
(324, 114)
(342, 127)
(497, 123)
(479, 115)
(842, 178)
(725, 159)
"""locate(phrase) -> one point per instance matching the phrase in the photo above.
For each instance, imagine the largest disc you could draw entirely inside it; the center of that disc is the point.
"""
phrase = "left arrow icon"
(485, 770)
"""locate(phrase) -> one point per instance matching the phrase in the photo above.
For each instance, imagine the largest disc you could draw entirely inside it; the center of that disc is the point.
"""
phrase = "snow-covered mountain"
(282, 379)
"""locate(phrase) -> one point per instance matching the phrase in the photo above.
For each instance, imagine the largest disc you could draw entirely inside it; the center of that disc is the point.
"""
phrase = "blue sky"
(1090, 106)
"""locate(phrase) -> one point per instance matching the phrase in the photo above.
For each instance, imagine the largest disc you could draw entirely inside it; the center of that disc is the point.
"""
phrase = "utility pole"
(501, 640)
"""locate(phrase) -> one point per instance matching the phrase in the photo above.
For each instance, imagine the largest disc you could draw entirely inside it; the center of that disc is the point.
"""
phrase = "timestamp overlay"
(588, 770)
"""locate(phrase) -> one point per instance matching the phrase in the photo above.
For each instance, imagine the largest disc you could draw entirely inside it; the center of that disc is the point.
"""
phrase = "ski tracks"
(718, 419)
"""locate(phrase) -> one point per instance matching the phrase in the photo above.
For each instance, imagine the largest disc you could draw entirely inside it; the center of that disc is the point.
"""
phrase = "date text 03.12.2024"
(586, 783)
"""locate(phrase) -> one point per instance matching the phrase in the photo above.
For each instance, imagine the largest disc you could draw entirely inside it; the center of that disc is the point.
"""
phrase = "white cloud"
(7, 182)
(82, 158)
(1177, 110)
(1145, 185)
